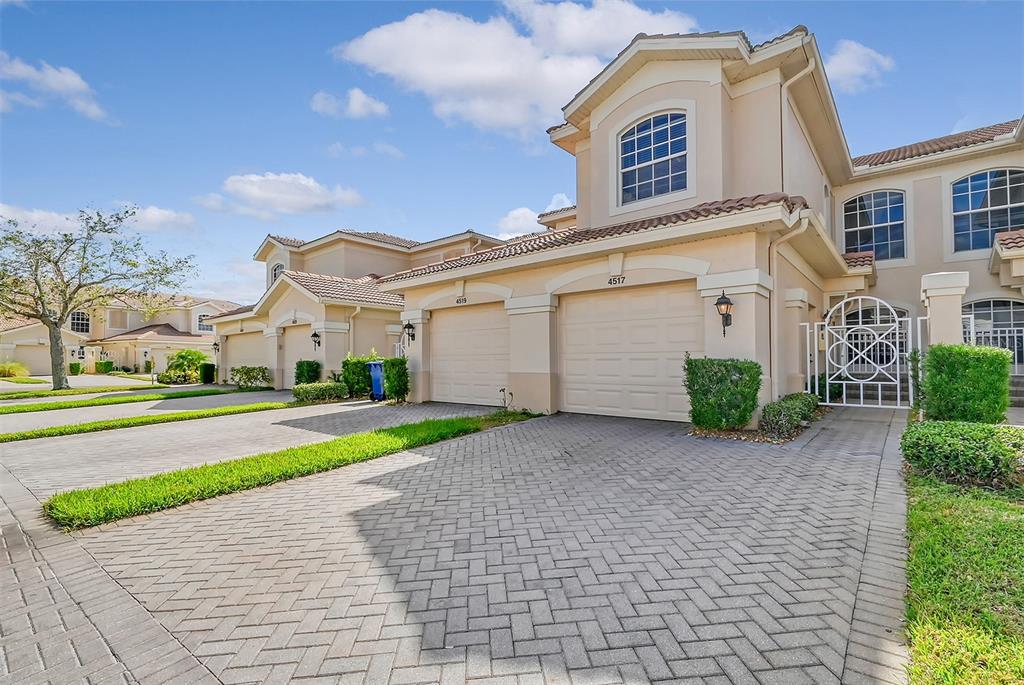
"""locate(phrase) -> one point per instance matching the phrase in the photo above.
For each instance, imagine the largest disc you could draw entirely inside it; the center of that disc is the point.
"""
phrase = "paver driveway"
(566, 549)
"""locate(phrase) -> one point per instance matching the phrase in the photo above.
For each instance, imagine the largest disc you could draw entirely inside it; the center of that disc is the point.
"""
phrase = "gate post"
(943, 297)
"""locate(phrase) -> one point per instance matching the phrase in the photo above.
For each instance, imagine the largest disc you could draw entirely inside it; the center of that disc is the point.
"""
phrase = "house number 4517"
(616, 280)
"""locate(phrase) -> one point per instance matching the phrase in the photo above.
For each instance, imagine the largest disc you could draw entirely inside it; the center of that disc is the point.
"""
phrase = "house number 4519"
(616, 280)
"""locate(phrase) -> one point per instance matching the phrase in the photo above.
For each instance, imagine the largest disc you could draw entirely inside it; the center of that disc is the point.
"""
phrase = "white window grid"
(652, 157)
(79, 322)
(276, 271)
(204, 326)
(984, 204)
(1002, 313)
(876, 222)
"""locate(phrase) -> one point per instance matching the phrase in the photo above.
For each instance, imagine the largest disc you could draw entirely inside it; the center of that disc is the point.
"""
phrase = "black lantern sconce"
(724, 306)
(216, 347)
(316, 340)
(410, 331)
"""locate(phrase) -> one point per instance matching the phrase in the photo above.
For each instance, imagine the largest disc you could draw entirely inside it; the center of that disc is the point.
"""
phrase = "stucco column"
(943, 297)
(749, 335)
(275, 361)
(533, 354)
(333, 345)
(418, 353)
(220, 359)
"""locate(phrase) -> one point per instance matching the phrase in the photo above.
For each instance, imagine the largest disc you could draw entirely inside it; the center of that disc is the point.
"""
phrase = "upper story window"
(984, 204)
(874, 222)
(276, 271)
(203, 326)
(652, 157)
(79, 322)
(118, 319)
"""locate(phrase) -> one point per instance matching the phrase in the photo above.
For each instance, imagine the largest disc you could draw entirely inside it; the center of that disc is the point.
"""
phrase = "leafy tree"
(45, 276)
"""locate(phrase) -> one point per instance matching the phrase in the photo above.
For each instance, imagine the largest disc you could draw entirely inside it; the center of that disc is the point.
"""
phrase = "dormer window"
(276, 271)
(652, 157)
(203, 326)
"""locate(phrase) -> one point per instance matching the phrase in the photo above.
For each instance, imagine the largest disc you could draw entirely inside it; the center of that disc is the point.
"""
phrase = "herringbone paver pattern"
(567, 549)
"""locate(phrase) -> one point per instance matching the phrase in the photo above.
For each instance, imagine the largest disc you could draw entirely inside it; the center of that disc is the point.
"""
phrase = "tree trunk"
(57, 368)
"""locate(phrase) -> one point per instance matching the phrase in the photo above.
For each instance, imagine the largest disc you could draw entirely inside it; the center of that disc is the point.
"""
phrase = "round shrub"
(320, 392)
(723, 392)
(307, 371)
(960, 451)
(782, 419)
(76, 368)
(396, 378)
(967, 383)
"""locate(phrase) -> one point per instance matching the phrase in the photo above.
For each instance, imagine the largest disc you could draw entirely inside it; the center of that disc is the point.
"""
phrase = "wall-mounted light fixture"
(316, 340)
(724, 306)
(410, 331)
(216, 347)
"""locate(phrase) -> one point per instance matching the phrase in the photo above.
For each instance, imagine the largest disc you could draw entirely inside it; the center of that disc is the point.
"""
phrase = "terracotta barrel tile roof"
(955, 141)
(1011, 240)
(156, 331)
(856, 260)
(9, 323)
(550, 239)
(238, 310)
(362, 289)
(556, 211)
(382, 237)
(290, 242)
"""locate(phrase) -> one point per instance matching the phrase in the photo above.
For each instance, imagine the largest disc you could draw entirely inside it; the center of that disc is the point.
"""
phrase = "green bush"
(835, 390)
(76, 368)
(967, 383)
(320, 392)
(186, 362)
(207, 372)
(148, 366)
(12, 369)
(104, 366)
(356, 374)
(782, 419)
(396, 379)
(307, 371)
(251, 377)
(178, 377)
(960, 451)
(723, 392)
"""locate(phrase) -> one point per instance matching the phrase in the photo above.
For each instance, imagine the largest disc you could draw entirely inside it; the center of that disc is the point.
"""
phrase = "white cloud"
(151, 219)
(62, 83)
(388, 150)
(9, 100)
(853, 67)
(38, 220)
(355, 105)
(242, 281)
(267, 195)
(558, 200)
(517, 222)
(495, 76)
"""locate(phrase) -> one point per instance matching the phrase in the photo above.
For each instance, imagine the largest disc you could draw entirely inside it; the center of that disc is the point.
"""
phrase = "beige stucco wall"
(802, 175)
(30, 346)
(243, 349)
(754, 159)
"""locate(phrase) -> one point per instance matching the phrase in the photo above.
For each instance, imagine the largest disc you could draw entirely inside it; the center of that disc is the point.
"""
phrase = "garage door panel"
(469, 354)
(622, 351)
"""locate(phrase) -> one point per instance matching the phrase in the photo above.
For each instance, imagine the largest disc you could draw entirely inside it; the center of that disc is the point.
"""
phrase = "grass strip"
(133, 421)
(94, 506)
(23, 380)
(34, 394)
(104, 401)
(965, 605)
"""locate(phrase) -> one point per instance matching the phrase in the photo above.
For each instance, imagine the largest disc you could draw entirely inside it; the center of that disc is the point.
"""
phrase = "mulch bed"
(755, 435)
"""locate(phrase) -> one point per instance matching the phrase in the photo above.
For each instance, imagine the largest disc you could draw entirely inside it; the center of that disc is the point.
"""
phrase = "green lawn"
(133, 421)
(35, 394)
(103, 401)
(23, 380)
(965, 605)
(94, 506)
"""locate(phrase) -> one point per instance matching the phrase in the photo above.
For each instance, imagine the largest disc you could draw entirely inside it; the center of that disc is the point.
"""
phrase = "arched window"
(996, 313)
(276, 271)
(203, 326)
(984, 204)
(79, 322)
(875, 222)
(652, 157)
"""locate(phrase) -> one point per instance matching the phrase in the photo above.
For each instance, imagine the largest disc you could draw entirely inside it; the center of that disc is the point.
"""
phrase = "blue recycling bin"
(376, 380)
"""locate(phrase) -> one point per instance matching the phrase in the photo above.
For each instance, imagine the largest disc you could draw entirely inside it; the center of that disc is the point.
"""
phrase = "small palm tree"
(186, 361)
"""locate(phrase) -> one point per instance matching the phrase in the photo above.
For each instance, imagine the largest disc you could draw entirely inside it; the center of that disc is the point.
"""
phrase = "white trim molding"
(531, 304)
(797, 298)
(462, 288)
(393, 329)
(331, 326)
(296, 318)
(945, 283)
(736, 283)
(415, 316)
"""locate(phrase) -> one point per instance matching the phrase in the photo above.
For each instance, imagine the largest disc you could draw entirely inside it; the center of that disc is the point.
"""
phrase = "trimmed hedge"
(307, 371)
(967, 383)
(356, 374)
(104, 366)
(76, 368)
(396, 379)
(723, 392)
(320, 392)
(207, 372)
(782, 419)
(178, 377)
(251, 377)
(964, 452)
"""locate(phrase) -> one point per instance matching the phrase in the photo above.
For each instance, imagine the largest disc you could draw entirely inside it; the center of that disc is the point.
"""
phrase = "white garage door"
(622, 350)
(297, 345)
(469, 354)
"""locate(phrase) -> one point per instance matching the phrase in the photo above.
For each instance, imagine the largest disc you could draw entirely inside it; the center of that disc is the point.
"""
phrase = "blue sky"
(226, 121)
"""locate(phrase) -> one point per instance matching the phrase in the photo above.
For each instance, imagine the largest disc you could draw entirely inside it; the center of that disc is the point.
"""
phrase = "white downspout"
(352, 329)
(775, 314)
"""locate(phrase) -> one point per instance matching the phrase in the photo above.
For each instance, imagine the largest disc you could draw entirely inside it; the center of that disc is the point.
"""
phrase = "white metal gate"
(857, 356)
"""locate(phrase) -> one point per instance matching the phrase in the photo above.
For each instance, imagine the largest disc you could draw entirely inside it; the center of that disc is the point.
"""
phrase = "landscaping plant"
(207, 372)
(967, 383)
(12, 369)
(783, 418)
(396, 379)
(75, 369)
(356, 374)
(307, 371)
(251, 377)
(104, 366)
(320, 392)
(723, 392)
(965, 452)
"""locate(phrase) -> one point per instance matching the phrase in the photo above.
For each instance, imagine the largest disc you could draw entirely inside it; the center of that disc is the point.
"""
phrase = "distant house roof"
(348, 289)
(157, 331)
(985, 134)
(547, 240)
(9, 323)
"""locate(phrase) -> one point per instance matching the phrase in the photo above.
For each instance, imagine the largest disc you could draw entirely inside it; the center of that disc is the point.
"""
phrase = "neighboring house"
(710, 167)
(119, 332)
(327, 288)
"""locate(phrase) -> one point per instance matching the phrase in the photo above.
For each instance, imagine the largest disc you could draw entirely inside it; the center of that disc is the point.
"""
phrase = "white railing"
(399, 350)
(1007, 338)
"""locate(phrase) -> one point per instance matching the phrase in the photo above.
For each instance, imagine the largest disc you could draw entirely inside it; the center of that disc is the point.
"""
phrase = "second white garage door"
(622, 351)
(469, 354)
